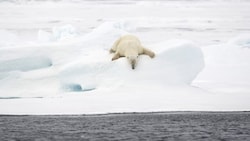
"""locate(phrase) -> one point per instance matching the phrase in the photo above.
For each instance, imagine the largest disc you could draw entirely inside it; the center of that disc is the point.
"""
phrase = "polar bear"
(129, 46)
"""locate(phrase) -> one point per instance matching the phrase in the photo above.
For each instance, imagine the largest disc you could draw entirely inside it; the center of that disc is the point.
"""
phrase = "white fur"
(129, 46)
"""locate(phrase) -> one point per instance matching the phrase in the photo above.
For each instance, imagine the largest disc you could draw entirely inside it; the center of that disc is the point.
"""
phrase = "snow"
(227, 66)
(59, 62)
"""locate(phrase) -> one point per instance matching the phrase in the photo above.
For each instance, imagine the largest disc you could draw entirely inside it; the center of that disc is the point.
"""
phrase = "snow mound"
(84, 64)
(227, 66)
(234, 52)
(178, 64)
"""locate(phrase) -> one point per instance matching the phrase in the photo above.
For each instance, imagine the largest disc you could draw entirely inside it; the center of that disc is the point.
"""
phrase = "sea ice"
(200, 63)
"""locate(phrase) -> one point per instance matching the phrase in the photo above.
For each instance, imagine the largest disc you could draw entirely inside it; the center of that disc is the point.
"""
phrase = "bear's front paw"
(111, 51)
(152, 55)
(113, 59)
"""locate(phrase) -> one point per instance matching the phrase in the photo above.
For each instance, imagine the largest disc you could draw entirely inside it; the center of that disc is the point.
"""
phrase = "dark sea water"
(221, 126)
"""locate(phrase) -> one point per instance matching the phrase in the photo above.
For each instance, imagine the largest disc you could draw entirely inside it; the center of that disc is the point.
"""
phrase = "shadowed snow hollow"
(25, 64)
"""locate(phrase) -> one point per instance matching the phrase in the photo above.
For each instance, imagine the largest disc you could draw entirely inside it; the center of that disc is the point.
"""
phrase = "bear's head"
(131, 52)
(132, 60)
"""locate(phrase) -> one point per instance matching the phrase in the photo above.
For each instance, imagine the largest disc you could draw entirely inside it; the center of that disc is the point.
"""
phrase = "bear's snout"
(133, 66)
(133, 62)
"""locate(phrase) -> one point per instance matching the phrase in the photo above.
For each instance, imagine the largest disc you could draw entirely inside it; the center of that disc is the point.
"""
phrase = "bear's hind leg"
(114, 46)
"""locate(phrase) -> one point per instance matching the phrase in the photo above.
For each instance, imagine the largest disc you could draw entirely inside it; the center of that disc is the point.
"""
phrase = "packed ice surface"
(54, 56)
